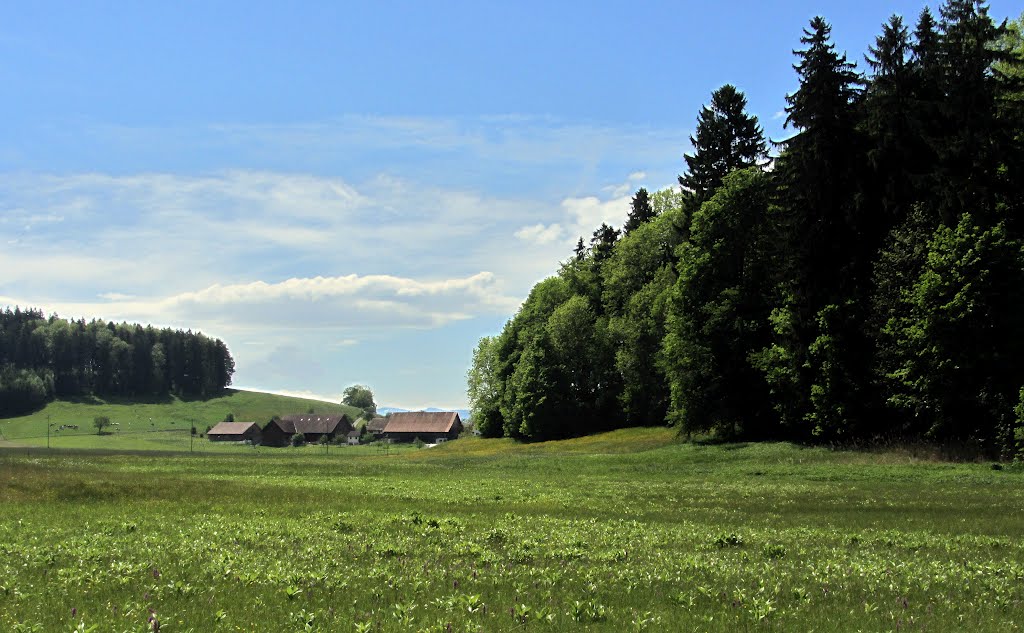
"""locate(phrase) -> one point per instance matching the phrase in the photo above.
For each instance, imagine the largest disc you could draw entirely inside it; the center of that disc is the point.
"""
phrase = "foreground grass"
(625, 531)
(150, 425)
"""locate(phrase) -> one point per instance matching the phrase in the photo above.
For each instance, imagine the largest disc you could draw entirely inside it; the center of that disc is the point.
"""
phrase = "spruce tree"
(927, 99)
(580, 251)
(824, 260)
(602, 242)
(890, 121)
(726, 139)
(977, 142)
(640, 211)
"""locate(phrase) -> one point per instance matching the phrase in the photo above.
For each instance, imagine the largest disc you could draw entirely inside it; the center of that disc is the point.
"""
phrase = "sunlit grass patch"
(484, 535)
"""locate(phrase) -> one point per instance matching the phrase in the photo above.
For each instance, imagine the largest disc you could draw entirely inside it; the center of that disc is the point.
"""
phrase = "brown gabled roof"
(285, 426)
(422, 422)
(232, 428)
(311, 423)
(377, 424)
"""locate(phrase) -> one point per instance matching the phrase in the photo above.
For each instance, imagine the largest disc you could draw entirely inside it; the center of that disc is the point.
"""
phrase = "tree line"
(46, 357)
(864, 280)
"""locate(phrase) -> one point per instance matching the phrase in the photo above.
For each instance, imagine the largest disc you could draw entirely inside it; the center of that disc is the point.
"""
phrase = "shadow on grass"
(727, 443)
(81, 399)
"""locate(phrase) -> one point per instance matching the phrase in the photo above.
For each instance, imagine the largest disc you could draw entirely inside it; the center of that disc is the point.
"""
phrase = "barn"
(312, 426)
(376, 426)
(235, 432)
(428, 426)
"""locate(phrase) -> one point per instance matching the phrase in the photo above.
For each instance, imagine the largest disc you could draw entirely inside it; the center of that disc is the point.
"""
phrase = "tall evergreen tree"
(926, 54)
(926, 66)
(727, 138)
(640, 211)
(580, 251)
(603, 241)
(974, 151)
(890, 121)
(823, 259)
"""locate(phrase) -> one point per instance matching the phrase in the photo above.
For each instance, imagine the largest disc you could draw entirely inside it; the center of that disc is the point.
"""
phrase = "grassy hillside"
(154, 424)
(626, 531)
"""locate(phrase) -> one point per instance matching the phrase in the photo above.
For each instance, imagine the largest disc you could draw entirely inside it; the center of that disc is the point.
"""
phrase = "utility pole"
(47, 431)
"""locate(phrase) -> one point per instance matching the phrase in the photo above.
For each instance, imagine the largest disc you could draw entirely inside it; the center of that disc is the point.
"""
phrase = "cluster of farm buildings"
(427, 426)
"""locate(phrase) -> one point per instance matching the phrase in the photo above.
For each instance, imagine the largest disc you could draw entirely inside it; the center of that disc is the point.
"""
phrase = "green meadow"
(626, 531)
(163, 424)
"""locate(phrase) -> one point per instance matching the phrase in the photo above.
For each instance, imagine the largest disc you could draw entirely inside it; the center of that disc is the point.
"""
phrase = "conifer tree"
(927, 101)
(974, 150)
(580, 251)
(890, 121)
(823, 259)
(640, 211)
(726, 139)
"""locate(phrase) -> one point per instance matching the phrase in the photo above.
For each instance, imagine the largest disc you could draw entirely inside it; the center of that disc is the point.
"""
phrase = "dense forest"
(41, 358)
(861, 279)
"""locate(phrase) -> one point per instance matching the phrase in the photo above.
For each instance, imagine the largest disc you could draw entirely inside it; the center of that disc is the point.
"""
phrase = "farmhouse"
(428, 426)
(353, 438)
(311, 426)
(235, 432)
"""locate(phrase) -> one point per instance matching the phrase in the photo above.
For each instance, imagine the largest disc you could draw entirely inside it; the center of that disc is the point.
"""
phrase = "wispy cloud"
(336, 303)
(511, 138)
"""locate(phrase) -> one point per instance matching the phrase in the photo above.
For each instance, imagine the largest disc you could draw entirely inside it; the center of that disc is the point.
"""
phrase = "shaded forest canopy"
(865, 281)
(46, 357)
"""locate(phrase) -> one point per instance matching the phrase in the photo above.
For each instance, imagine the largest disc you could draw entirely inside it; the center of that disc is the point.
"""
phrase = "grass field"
(627, 531)
(153, 425)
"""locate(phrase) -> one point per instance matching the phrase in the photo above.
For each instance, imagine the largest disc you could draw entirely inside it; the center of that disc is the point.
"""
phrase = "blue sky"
(355, 192)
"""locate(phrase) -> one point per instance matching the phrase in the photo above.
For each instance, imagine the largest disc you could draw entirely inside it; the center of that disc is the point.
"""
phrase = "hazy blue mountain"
(463, 413)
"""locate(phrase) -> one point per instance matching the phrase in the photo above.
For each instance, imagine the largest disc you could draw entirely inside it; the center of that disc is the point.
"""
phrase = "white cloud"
(590, 212)
(340, 303)
(540, 234)
(177, 232)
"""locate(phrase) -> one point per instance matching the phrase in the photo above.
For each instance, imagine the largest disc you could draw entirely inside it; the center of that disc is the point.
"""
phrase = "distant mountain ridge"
(463, 413)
